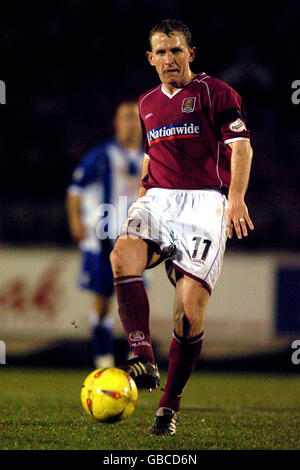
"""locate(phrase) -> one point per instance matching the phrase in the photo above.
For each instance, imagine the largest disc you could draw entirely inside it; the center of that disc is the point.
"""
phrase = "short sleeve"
(87, 172)
(228, 114)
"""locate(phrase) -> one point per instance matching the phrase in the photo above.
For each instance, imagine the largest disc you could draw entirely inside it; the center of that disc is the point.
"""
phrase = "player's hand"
(238, 218)
(78, 231)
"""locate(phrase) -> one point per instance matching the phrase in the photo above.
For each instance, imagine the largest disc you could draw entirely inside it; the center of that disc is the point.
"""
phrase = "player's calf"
(133, 309)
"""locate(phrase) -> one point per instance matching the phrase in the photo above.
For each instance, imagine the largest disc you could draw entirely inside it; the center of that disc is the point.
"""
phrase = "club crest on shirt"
(188, 105)
(237, 126)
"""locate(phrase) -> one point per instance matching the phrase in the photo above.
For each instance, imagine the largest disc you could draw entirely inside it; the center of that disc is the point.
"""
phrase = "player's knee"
(193, 312)
(123, 262)
(194, 300)
(192, 317)
(117, 260)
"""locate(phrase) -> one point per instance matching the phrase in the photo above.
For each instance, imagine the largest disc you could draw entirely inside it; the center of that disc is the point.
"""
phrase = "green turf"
(41, 409)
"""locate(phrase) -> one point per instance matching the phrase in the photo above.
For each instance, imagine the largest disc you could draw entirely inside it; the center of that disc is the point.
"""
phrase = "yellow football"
(109, 394)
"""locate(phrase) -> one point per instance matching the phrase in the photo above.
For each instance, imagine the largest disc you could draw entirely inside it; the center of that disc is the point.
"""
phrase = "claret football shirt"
(186, 135)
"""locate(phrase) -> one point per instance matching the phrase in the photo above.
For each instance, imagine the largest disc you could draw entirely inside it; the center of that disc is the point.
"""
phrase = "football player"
(195, 174)
(108, 171)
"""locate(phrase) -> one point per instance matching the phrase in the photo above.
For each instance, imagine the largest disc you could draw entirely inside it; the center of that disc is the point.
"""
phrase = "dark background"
(67, 64)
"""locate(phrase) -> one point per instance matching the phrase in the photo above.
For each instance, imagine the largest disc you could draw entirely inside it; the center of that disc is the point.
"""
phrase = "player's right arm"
(76, 226)
(142, 190)
(86, 173)
(144, 173)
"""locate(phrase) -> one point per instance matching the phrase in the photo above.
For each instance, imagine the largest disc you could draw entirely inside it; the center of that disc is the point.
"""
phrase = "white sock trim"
(127, 281)
(193, 342)
(160, 411)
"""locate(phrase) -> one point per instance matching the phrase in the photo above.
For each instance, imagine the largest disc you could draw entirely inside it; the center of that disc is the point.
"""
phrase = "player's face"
(127, 122)
(171, 57)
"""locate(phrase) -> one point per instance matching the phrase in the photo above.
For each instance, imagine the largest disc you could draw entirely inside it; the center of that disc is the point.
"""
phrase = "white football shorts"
(192, 220)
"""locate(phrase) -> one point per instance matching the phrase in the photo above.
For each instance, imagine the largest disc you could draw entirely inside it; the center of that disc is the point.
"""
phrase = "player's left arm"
(237, 212)
(144, 172)
(142, 190)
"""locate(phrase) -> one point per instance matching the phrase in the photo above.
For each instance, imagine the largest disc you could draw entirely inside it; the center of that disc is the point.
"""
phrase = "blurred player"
(197, 152)
(108, 171)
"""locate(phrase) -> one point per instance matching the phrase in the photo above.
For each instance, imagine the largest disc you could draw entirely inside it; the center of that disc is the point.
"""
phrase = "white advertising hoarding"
(41, 304)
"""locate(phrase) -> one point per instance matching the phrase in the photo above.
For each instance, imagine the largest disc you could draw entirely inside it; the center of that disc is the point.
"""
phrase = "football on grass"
(109, 395)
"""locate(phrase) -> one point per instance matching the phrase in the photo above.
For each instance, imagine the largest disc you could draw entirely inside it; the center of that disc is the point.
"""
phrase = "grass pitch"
(41, 409)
